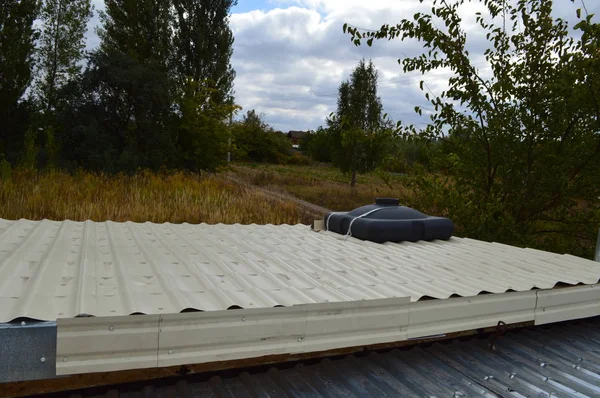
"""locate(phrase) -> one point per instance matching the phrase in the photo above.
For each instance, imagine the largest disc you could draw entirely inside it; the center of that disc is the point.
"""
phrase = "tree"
(140, 29)
(256, 141)
(158, 90)
(204, 135)
(118, 116)
(62, 46)
(61, 50)
(202, 49)
(127, 106)
(319, 145)
(358, 127)
(525, 141)
(17, 46)
(203, 45)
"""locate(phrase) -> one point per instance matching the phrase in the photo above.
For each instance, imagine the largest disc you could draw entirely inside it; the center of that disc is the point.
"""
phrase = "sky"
(290, 56)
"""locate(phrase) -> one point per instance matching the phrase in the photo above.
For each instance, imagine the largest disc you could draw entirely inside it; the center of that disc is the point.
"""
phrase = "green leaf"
(578, 12)
(421, 85)
(370, 42)
(345, 27)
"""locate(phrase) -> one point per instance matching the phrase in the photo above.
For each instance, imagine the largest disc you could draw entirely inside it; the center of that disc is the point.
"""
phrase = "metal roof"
(51, 270)
(562, 360)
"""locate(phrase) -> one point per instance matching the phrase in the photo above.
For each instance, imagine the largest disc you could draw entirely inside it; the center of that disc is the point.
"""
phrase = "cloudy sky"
(291, 55)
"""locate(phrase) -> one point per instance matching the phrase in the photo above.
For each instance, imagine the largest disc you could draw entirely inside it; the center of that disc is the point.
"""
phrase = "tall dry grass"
(323, 185)
(167, 197)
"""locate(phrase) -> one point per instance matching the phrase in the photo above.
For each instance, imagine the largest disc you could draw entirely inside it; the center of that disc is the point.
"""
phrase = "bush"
(255, 141)
(299, 159)
(319, 145)
(5, 169)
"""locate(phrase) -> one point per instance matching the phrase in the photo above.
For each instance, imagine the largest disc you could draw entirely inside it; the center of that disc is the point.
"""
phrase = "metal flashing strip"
(567, 303)
(87, 345)
(144, 341)
(435, 317)
(306, 328)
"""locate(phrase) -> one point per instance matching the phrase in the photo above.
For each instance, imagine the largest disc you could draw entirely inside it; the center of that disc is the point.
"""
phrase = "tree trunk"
(353, 181)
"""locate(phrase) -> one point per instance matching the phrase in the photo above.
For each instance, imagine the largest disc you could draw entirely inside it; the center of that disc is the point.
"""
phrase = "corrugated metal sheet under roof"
(51, 270)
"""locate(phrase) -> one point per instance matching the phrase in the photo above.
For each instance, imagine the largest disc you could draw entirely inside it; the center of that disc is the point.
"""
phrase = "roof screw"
(546, 378)
(43, 359)
(111, 328)
(170, 352)
(577, 367)
(23, 323)
(243, 319)
(300, 338)
(65, 359)
(543, 364)
(512, 375)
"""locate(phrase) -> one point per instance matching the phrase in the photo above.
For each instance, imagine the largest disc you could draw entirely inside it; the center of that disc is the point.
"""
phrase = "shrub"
(299, 159)
(255, 141)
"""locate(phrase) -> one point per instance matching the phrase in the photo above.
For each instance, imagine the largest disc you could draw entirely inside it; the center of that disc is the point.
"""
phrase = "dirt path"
(315, 210)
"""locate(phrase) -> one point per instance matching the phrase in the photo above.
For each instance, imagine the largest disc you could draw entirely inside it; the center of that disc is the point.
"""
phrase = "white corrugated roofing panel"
(51, 270)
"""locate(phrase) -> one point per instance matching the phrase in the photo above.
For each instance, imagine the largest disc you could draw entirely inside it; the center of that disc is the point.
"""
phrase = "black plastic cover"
(387, 221)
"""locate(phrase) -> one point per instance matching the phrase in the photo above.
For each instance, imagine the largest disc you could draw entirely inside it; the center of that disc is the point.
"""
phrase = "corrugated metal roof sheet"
(558, 361)
(51, 270)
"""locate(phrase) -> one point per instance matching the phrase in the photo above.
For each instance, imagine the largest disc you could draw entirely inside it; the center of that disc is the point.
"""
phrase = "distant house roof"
(297, 134)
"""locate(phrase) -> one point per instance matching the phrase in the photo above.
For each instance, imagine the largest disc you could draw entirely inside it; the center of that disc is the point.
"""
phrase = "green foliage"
(154, 94)
(522, 146)
(363, 149)
(299, 159)
(62, 46)
(17, 47)
(257, 142)
(203, 135)
(30, 151)
(404, 154)
(141, 30)
(157, 92)
(319, 145)
(359, 132)
(5, 169)
(121, 117)
(203, 45)
(52, 148)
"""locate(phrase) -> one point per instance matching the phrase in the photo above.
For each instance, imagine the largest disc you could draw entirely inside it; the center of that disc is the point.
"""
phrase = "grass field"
(323, 185)
(175, 198)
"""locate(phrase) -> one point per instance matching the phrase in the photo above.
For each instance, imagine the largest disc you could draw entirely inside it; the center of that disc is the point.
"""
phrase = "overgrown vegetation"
(324, 185)
(358, 135)
(256, 141)
(524, 144)
(156, 197)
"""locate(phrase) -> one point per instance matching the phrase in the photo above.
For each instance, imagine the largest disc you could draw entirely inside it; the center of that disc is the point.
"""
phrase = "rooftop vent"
(387, 221)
